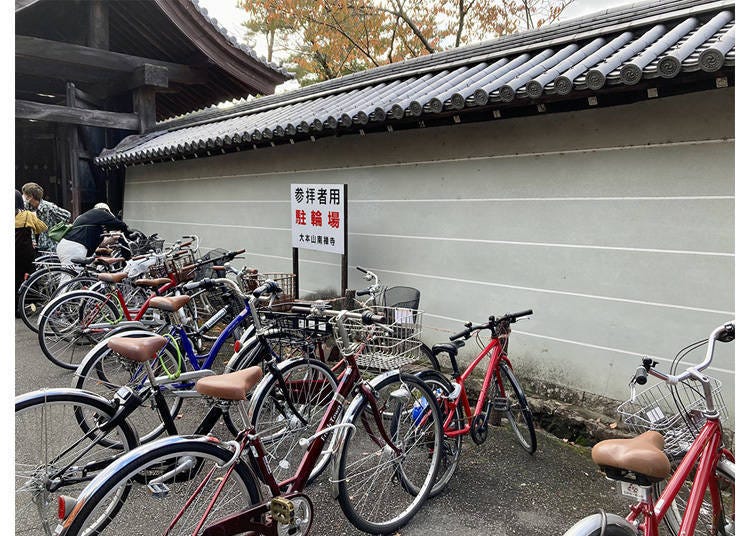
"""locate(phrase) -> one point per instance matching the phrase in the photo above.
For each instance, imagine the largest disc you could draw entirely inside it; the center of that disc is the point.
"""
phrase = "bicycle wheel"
(59, 449)
(171, 485)
(287, 406)
(704, 527)
(378, 490)
(104, 371)
(441, 388)
(72, 324)
(37, 291)
(513, 403)
(82, 282)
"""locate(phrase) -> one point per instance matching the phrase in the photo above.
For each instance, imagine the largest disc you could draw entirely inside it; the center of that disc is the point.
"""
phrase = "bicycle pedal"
(159, 490)
(282, 510)
(500, 404)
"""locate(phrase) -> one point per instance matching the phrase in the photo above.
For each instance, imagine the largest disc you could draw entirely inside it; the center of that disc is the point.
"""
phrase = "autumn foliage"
(324, 39)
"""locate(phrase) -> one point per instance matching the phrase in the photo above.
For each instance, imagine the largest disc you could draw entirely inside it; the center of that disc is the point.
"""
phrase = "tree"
(330, 38)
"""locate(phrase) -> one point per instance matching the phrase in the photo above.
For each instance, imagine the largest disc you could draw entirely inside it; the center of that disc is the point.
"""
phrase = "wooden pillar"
(71, 138)
(98, 35)
(144, 104)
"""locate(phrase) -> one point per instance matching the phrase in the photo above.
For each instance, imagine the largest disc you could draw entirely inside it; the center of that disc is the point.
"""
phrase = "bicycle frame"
(706, 448)
(498, 354)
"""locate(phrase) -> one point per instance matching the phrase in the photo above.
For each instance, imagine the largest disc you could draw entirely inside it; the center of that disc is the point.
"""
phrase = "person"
(46, 211)
(86, 234)
(26, 224)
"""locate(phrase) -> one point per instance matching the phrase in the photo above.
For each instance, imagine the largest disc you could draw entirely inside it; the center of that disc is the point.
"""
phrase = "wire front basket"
(675, 411)
(249, 280)
(389, 345)
(182, 265)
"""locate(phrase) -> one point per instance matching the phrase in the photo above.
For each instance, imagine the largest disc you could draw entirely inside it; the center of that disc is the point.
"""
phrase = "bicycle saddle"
(642, 455)
(159, 281)
(169, 303)
(138, 349)
(451, 348)
(82, 261)
(231, 386)
(112, 278)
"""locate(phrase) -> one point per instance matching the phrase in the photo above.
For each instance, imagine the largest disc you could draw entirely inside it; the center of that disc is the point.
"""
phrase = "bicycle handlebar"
(367, 317)
(491, 324)
(723, 333)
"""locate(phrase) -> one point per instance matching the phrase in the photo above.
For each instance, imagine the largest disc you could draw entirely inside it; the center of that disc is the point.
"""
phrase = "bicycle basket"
(298, 326)
(249, 280)
(675, 411)
(182, 265)
(389, 345)
(402, 297)
(206, 270)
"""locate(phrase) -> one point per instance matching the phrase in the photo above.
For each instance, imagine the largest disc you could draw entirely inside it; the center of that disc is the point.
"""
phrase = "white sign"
(318, 217)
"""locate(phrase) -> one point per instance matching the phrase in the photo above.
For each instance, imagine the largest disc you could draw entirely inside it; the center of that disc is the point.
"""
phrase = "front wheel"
(380, 487)
(513, 402)
(37, 291)
(177, 486)
(73, 323)
(63, 440)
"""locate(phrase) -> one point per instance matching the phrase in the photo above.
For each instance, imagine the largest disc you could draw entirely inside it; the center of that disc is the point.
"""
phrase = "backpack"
(58, 231)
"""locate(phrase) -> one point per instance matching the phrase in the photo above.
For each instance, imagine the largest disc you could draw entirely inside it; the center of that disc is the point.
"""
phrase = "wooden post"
(345, 256)
(72, 143)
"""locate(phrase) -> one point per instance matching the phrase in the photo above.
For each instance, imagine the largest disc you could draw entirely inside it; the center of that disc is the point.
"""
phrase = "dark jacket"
(88, 228)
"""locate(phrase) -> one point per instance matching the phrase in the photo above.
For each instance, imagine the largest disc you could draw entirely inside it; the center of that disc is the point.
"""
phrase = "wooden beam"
(149, 75)
(76, 116)
(98, 61)
(99, 25)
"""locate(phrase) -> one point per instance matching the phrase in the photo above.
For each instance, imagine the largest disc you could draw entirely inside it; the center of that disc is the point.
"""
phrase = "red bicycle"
(682, 415)
(501, 391)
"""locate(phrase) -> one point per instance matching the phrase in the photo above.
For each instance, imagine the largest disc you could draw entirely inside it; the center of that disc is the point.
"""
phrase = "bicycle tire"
(517, 409)
(601, 524)
(48, 423)
(147, 463)
(673, 514)
(82, 282)
(441, 388)
(103, 371)
(311, 386)
(63, 334)
(410, 416)
(37, 291)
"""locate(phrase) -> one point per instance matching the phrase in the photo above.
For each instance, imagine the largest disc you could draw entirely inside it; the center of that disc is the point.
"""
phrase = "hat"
(105, 206)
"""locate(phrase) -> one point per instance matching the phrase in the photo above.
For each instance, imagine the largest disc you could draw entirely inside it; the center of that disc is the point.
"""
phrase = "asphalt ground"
(498, 488)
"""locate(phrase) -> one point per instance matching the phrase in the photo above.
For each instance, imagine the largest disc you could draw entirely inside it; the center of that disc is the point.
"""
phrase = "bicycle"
(72, 323)
(682, 418)
(501, 391)
(397, 435)
(102, 428)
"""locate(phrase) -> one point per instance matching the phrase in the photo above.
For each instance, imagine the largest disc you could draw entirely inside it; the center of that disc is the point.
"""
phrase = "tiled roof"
(642, 45)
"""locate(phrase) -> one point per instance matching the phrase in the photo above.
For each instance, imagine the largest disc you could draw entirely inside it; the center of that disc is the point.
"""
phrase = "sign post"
(319, 220)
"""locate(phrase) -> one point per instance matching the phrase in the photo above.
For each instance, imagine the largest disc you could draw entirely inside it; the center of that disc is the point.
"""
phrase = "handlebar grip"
(527, 312)
(727, 334)
(641, 376)
(363, 292)
(268, 286)
(460, 335)
(368, 317)
(364, 271)
(206, 282)
(300, 309)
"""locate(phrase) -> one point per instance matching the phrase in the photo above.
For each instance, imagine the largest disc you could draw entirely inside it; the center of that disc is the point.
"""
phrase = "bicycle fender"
(340, 433)
(591, 524)
(126, 330)
(53, 393)
(122, 462)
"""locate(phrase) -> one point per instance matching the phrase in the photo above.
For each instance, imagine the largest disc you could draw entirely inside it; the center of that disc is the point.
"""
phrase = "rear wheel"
(290, 407)
(104, 371)
(72, 324)
(171, 485)
(379, 488)
(59, 449)
(512, 402)
(37, 291)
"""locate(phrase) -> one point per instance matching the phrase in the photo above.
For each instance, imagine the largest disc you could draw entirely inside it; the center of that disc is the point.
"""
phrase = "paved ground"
(498, 488)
